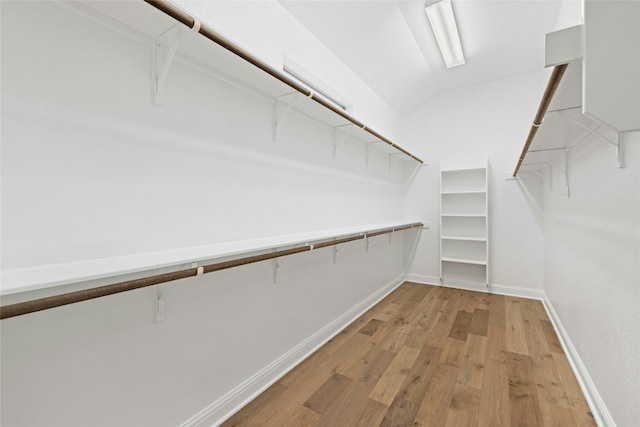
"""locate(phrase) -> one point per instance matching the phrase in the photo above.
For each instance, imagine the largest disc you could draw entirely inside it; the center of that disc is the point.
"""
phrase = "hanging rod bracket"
(164, 50)
(278, 121)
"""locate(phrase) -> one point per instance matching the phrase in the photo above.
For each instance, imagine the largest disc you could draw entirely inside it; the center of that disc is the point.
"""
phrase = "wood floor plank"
(354, 401)
(472, 366)
(415, 384)
(497, 332)
(480, 322)
(387, 387)
(581, 411)
(464, 407)
(400, 414)
(523, 395)
(434, 408)
(302, 417)
(331, 390)
(398, 365)
(556, 416)
(516, 339)
(452, 352)
(551, 336)
(494, 401)
(386, 311)
(461, 325)
(442, 327)
(371, 327)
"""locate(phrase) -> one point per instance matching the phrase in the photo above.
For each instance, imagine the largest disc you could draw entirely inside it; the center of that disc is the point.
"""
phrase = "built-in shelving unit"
(464, 232)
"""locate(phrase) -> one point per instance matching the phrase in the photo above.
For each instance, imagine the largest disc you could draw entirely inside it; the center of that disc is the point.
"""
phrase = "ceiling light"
(444, 27)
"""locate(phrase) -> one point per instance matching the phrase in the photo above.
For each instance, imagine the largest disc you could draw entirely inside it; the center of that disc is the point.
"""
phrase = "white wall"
(268, 30)
(90, 169)
(592, 268)
(469, 125)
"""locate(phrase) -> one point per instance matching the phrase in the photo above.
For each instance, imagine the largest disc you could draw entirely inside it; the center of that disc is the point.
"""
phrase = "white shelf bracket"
(392, 161)
(350, 127)
(164, 50)
(158, 300)
(276, 266)
(368, 152)
(614, 142)
(278, 121)
(336, 249)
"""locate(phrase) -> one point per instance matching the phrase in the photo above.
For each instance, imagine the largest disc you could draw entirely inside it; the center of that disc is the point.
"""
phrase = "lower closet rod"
(46, 303)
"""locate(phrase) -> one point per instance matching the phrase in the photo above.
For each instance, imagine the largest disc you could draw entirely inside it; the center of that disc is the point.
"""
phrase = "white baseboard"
(231, 402)
(516, 291)
(512, 291)
(425, 280)
(596, 404)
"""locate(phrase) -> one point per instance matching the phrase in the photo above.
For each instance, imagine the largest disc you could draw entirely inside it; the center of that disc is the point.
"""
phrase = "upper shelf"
(559, 124)
(206, 46)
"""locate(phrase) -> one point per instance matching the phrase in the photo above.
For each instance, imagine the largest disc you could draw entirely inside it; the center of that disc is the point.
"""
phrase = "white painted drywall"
(469, 125)
(91, 169)
(612, 63)
(268, 30)
(592, 268)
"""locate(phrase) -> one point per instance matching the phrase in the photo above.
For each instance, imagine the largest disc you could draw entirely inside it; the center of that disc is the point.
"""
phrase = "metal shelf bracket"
(158, 299)
(614, 142)
(337, 142)
(278, 121)
(164, 50)
(368, 152)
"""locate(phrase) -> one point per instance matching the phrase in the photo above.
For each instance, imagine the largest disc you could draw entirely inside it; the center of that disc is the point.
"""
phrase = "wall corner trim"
(243, 393)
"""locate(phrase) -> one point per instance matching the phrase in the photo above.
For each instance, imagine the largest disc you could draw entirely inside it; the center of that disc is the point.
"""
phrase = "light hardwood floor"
(431, 356)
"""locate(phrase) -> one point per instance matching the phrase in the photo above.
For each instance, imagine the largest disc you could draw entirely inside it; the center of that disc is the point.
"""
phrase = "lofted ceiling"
(390, 45)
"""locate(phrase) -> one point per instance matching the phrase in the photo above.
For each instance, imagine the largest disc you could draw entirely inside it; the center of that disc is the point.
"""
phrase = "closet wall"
(592, 268)
(469, 125)
(91, 169)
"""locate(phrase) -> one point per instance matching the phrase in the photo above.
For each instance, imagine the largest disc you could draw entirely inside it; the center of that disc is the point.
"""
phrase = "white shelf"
(20, 280)
(457, 170)
(469, 239)
(464, 232)
(464, 261)
(464, 192)
(465, 215)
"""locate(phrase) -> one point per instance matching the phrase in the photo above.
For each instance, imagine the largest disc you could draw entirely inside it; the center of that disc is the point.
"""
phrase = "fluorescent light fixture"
(444, 27)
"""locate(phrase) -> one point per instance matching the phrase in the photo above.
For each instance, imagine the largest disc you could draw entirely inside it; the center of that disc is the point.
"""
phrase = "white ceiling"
(390, 45)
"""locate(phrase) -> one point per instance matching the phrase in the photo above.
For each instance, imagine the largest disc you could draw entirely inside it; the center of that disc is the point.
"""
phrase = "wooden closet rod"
(46, 303)
(552, 86)
(214, 36)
